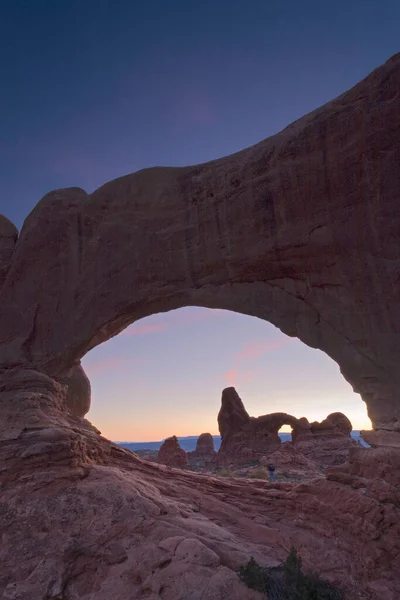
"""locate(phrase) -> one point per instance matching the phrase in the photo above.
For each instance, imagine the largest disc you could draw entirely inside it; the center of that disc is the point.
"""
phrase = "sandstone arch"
(300, 230)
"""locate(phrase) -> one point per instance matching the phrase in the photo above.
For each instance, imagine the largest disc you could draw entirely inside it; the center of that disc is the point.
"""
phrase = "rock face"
(8, 239)
(327, 443)
(246, 439)
(79, 391)
(204, 456)
(172, 455)
(300, 230)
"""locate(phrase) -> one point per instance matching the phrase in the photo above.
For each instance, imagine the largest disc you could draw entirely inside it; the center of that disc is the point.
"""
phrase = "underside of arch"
(300, 230)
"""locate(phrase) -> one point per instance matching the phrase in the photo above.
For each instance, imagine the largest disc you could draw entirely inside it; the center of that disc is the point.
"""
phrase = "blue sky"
(92, 90)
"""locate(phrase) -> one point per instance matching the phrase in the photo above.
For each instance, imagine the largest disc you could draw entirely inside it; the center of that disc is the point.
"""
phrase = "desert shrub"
(254, 576)
(259, 473)
(226, 472)
(288, 582)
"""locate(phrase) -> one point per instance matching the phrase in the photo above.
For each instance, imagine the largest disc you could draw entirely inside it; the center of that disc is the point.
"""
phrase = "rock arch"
(300, 230)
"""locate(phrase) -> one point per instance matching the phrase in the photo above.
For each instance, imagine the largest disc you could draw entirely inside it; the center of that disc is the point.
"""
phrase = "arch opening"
(286, 434)
(168, 372)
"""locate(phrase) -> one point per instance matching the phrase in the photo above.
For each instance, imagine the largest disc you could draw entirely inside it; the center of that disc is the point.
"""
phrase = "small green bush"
(288, 582)
(254, 576)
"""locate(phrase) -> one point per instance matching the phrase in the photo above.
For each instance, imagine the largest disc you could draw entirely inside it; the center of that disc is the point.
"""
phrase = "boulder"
(79, 391)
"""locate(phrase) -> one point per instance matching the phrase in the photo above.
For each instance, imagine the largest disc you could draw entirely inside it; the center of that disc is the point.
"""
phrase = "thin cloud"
(106, 365)
(144, 328)
(171, 320)
(112, 365)
(236, 377)
(251, 351)
(255, 350)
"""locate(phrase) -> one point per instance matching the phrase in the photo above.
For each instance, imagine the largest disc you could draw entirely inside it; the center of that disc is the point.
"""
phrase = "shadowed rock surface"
(204, 456)
(301, 230)
(172, 455)
(8, 239)
(79, 391)
(246, 439)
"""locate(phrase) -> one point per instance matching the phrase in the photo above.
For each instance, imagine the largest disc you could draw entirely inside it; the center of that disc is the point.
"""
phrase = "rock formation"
(204, 456)
(172, 455)
(246, 439)
(8, 239)
(327, 443)
(79, 391)
(300, 230)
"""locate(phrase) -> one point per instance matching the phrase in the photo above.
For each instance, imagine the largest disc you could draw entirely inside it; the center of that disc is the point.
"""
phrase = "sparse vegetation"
(254, 576)
(226, 472)
(259, 473)
(288, 582)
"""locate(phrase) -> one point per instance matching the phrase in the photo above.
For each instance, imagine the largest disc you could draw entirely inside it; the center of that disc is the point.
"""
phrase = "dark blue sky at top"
(95, 89)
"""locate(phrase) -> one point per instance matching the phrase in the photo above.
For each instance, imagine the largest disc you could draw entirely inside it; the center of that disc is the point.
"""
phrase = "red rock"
(300, 230)
(8, 239)
(79, 391)
(204, 456)
(246, 439)
(172, 455)
(291, 464)
(330, 441)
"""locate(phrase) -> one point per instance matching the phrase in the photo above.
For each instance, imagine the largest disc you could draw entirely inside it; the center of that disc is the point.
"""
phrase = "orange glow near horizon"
(149, 431)
(164, 376)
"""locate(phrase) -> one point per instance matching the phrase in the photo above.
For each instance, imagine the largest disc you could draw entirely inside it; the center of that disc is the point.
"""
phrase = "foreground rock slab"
(91, 519)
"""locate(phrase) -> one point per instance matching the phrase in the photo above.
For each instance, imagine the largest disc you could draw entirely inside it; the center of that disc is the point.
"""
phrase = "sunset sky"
(95, 89)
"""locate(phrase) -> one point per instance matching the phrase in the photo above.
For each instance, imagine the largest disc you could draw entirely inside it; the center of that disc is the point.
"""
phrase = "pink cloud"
(255, 350)
(105, 365)
(235, 377)
(174, 319)
(144, 328)
(202, 314)
(112, 364)
(251, 351)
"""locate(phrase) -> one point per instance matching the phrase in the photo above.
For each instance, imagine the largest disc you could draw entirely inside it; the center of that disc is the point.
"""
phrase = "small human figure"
(271, 472)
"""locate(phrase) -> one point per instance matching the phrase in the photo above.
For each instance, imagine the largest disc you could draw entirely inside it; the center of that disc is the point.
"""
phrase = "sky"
(95, 89)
